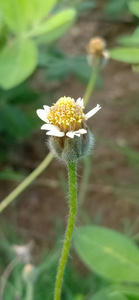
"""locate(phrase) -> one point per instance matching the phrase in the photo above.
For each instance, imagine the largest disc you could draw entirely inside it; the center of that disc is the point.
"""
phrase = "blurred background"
(39, 68)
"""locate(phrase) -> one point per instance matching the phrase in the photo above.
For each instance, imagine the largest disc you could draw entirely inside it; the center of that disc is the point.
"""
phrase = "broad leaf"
(37, 9)
(14, 14)
(128, 40)
(17, 62)
(126, 55)
(52, 36)
(20, 14)
(108, 253)
(56, 22)
(134, 7)
(108, 294)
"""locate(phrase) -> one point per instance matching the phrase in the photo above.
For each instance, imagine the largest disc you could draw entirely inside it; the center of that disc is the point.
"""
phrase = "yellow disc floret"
(66, 114)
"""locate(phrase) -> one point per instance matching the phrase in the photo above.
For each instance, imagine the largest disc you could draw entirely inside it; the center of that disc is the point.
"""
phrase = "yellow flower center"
(66, 114)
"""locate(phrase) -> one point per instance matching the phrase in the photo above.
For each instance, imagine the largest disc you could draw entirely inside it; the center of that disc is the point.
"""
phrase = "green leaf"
(14, 14)
(115, 7)
(108, 253)
(17, 62)
(136, 32)
(9, 174)
(56, 22)
(127, 55)
(134, 7)
(20, 14)
(108, 294)
(131, 292)
(85, 5)
(15, 121)
(52, 36)
(128, 40)
(37, 9)
(20, 94)
(131, 155)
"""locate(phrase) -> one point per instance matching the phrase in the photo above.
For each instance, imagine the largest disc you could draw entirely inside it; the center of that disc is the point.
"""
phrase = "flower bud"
(29, 273)
(71, 150)
(97, 54)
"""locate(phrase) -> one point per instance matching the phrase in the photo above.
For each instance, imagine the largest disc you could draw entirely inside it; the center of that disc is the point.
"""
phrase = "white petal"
(80, 102)
(56, 133)
(81, 131)
(77, 134)
(92, 112)
(49, 127)
(70, 134)
(42, 114)
(46, 108)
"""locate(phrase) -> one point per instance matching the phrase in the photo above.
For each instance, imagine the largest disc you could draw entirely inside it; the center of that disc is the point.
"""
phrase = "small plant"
(24, 27)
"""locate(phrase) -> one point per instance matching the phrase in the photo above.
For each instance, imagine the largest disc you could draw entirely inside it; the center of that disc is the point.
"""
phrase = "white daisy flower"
(65, 117)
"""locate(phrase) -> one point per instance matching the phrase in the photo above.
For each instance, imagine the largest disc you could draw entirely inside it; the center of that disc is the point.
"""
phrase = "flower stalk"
(21, 187)
(29, 290)
(71, 222)
(91, 84)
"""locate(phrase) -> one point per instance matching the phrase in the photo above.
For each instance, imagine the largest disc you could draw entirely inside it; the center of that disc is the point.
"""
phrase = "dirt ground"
(40, 212)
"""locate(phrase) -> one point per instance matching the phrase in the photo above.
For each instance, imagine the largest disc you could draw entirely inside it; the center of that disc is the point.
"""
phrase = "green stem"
(91, 85)
(20, 188)
(29, 290)
(85, 179)
(70, 227)
(86, 169)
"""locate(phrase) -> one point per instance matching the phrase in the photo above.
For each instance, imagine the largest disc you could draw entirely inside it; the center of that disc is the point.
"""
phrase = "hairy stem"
(70, 227)
(21, 187)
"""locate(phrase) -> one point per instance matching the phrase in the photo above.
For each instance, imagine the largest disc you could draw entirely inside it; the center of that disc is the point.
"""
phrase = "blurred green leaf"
(108, 253)
(56, 22)
(131, 155)
(79, 297)
(58, 66)
(14, 14)
(115, 7)
(128, 40)
(126, 55)
(108, 294)
(134, 7)
(136, 32)
(20, 14)
(20, 94)
(37, 10)
(85, 5)
(9, 174)
(17, 62)
(15, 121)
(50, 37)
(131, 292)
